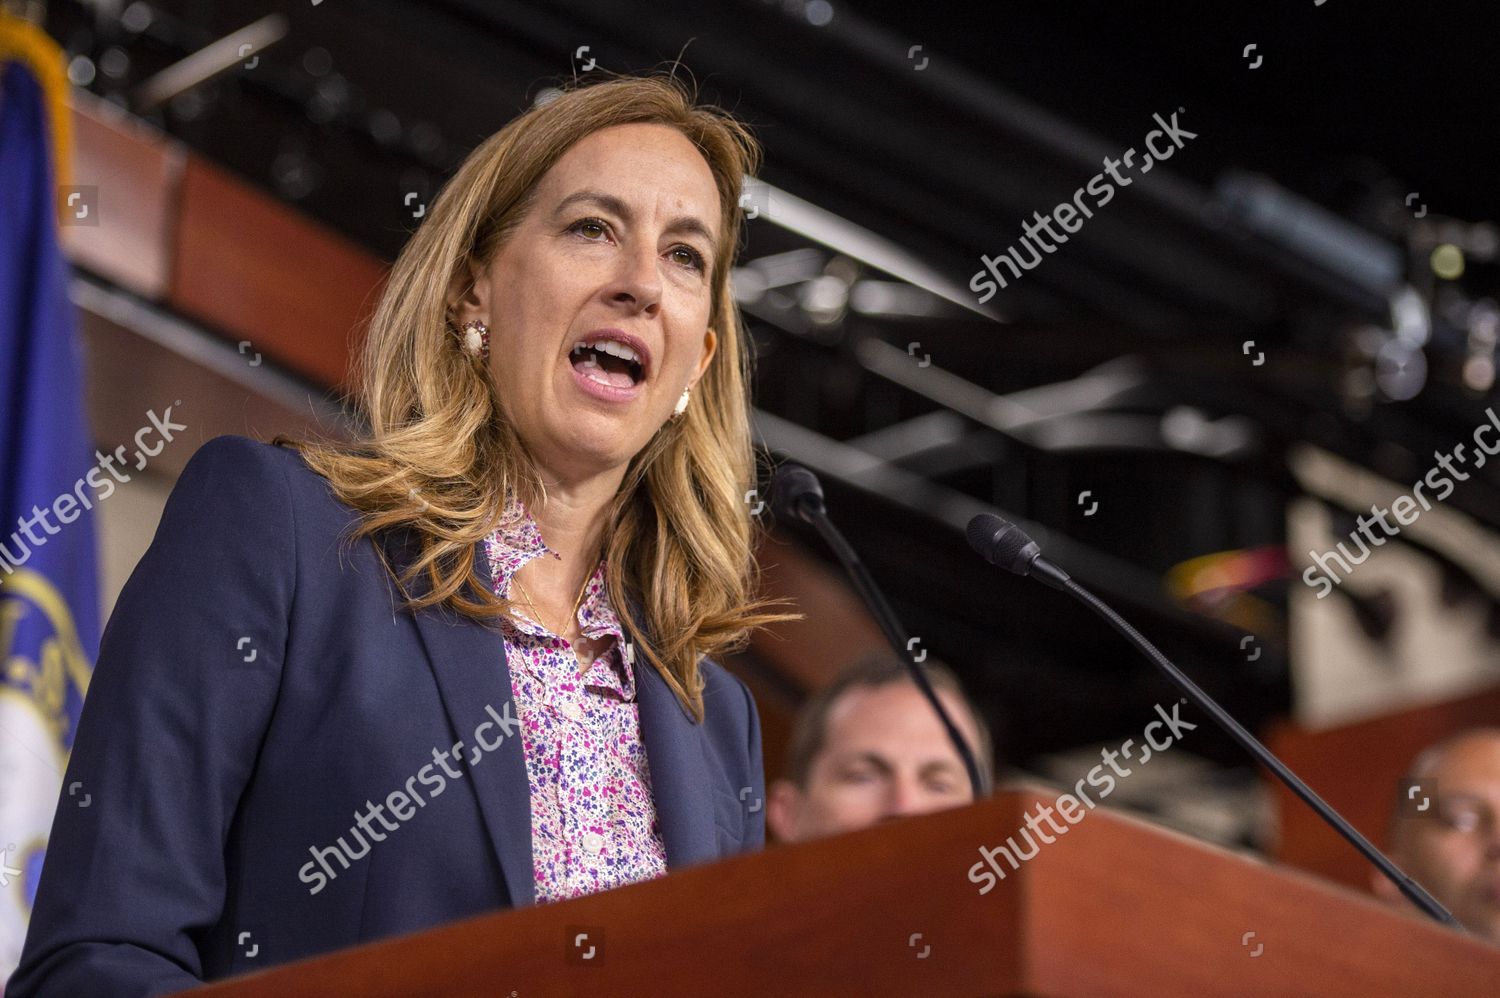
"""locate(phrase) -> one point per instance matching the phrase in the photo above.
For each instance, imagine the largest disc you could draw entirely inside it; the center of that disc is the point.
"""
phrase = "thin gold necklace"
(573, 616)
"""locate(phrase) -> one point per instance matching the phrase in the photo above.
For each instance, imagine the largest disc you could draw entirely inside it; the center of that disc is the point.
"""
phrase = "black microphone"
(797, 495)
(1002, 543)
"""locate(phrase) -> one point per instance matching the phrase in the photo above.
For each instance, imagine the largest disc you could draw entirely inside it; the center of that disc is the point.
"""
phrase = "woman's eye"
(595, 230)
(688, 257)
(587, 226)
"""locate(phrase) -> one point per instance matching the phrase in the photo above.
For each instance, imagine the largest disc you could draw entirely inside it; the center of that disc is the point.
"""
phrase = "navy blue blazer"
(258, 687)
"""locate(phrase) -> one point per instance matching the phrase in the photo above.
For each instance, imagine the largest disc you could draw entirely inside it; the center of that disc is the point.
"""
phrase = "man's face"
(1455, 854)
(885, 755)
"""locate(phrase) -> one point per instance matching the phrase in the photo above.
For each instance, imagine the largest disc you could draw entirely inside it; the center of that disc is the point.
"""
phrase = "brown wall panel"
(133, 171)
(256, 270)
(1357, 769)
(836, 629)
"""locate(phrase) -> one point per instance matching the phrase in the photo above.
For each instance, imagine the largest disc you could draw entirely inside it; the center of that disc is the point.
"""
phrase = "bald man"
(870, 748)
(1452, 847)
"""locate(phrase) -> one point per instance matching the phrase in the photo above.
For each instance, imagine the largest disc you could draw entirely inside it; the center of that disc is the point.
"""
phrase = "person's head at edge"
(869, 747)
(1452, 847)
(610, 206)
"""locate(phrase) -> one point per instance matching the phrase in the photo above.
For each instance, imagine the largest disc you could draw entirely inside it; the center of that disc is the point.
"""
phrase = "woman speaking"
(462, 664)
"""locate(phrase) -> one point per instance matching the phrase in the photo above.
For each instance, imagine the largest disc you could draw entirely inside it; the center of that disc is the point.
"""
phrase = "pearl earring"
(682, 404)
(476, 339)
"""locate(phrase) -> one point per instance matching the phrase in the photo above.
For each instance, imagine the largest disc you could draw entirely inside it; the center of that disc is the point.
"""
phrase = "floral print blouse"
(593, 819)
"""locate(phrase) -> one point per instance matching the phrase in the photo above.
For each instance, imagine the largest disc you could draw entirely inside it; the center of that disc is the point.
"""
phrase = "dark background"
(1354, 107)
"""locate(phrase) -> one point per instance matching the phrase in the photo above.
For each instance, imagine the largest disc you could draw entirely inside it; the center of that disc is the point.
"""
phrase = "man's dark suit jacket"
(257, 686)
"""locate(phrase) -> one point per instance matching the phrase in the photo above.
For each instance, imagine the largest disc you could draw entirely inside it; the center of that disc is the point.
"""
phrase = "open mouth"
(609, 362)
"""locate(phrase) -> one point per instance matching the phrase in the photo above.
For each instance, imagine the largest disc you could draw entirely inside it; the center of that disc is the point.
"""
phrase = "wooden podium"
(1113, 907)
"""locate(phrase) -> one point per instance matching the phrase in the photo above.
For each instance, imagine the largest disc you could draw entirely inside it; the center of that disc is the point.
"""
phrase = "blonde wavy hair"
(440, 457)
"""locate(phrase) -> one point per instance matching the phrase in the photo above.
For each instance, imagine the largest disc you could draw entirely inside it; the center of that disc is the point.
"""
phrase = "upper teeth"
(612, 347)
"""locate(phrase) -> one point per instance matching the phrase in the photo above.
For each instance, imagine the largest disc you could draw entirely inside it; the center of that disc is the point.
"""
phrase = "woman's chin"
(591, 445)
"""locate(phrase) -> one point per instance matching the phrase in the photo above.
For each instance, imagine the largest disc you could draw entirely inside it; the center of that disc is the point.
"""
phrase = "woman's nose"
(638, 280)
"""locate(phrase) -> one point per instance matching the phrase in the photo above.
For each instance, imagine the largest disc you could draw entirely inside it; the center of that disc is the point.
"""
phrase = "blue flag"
(49, 587)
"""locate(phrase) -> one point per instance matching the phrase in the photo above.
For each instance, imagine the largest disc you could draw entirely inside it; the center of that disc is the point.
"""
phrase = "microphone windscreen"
(791, 490)
(1000, 542)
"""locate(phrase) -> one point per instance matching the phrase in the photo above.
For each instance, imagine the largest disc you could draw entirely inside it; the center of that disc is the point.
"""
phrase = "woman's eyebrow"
(689, 224)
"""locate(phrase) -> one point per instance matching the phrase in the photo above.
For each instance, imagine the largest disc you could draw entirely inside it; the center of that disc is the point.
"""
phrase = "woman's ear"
(468, 293)
(710, 344)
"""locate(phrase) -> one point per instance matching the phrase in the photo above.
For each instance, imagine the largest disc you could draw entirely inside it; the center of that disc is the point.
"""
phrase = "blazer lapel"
(679, 774)
(469, 663)
(468, 660)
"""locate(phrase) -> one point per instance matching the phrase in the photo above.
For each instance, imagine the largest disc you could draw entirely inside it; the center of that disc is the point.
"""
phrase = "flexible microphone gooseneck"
(1002, 543)
(797, 495)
